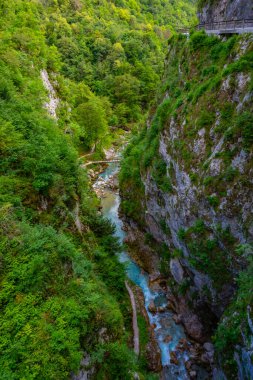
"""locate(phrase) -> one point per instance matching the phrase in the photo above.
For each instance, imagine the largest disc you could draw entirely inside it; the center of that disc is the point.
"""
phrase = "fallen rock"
(193, 374)
(207, 358)
(163, 285)
(168, 339)
(194, 354)
(155, 276)
(208, 346)
(193, 326)
(188, 365)
(183, 341)
(183, 345)
(173, 358)
(170, 306)
(152, 307)
(177, 318)
(204, 358)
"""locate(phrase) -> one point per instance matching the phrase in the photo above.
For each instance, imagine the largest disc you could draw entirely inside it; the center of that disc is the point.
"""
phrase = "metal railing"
(229, 26)
(184, 30)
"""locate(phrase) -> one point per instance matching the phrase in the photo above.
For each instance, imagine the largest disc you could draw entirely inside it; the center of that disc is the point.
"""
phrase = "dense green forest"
(115, 50)
(61, 284)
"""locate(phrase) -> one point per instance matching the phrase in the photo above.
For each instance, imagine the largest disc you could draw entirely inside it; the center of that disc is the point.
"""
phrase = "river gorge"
(170, 336)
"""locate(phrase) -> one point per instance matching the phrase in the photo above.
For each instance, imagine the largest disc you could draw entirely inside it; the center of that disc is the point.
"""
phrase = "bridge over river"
(100, 162)
(223, 27)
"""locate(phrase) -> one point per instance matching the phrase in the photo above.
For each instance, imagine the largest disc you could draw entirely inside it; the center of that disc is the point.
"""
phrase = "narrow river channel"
(165, 325)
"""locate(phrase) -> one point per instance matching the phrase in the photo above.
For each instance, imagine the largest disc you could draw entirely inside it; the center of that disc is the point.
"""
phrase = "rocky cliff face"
(192, 183)
(222, 10)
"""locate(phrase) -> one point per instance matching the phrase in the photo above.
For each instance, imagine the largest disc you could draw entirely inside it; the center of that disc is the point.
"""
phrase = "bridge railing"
(229, 25)
(184, 30)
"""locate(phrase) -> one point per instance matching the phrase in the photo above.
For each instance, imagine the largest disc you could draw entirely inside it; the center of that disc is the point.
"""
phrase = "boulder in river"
(193, 374)
(170, 306)
(188, 365)
(183, 345)
(194, 354)
(173, 358)
(177, 318)
(161, 309)
(152, 307)
(168, 339)
(193, 326)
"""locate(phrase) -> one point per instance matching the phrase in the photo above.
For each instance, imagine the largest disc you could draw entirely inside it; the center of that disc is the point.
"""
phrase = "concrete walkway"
(229, 31)
(135, 323)
(223, 27)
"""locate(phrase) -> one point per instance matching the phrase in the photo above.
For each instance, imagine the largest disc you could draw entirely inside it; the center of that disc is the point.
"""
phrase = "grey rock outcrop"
(223, 10)
(53, 101)
(176, 270)
(198, 203)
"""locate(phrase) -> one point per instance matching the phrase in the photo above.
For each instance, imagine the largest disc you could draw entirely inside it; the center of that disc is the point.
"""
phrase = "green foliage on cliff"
(205, 250)
(203, 3)
(234, 327)
(199, 139)
(159, 174)
(191, 99)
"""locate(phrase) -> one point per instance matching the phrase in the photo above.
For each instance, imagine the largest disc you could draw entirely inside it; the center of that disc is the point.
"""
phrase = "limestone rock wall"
(222, 10)
(204, 152)
(53, 101)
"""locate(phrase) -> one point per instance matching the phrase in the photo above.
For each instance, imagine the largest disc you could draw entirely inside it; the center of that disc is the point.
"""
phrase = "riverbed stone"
(173, 358)
(177, 318)
(168, 339)
(193, 374)
(152, 308)
(161, 309)
(170, 306)
(183, 344)
(188, 364)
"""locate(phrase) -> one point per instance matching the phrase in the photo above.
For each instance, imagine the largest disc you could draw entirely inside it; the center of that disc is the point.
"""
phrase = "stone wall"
(222, 10)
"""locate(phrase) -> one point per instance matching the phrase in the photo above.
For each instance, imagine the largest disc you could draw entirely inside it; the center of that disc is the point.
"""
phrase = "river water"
(165, 325)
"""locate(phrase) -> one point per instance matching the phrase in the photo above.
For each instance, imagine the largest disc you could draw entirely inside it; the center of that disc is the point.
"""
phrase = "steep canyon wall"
(189, 195)
(215, 11)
